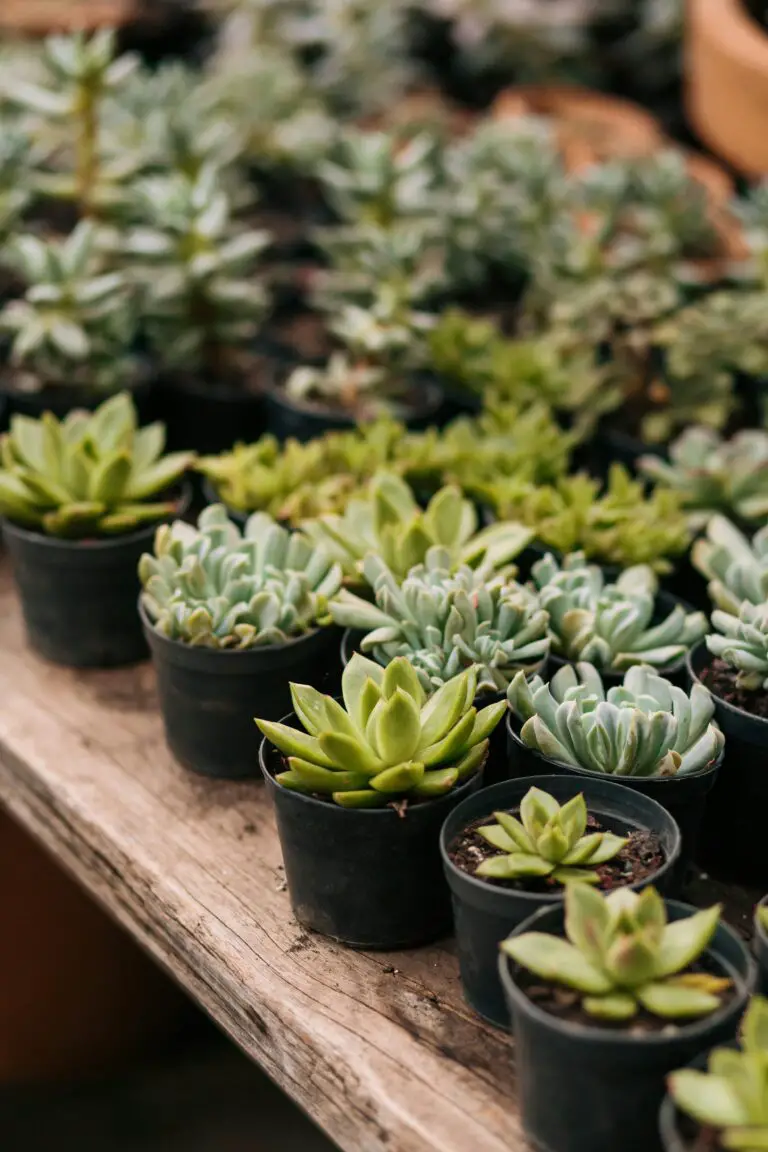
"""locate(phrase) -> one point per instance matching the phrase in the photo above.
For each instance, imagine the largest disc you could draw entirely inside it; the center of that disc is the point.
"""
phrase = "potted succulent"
(726, 1106)
(513, 848)
(229, 616)
(368, 781)
(761, 942)
(608, 994)
(645, 733)
(80, 499)
(735, 567)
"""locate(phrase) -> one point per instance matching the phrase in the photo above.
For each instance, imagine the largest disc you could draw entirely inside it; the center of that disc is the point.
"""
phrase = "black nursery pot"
(684, 797)
(733, 834)
(303, 421)
(62, 400)
(210, 696)
(761, 948)
(592, 1089)
(367, 877)
(484, 914)
(209, 417)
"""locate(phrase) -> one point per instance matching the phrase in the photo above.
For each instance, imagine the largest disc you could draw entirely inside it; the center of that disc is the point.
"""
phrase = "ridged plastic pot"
(209, 417)
(485, 914)
(672, 1139)
(684, 797)
(287, 418)
(761, 947)
(368, 877)
(209, 696)
(733, 834)
(592, 1089)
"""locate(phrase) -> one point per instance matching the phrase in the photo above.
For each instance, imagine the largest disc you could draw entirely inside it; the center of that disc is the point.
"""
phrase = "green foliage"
(76, 323)
(15, 176)
(645, 727)
(91, 474)
(622, 955)
(215, 587)
(389, 742)
(732, 1095)
(445, 619)
(375, 178)
(612, 625)
(743, 643)
(736, 568)
(547, 841)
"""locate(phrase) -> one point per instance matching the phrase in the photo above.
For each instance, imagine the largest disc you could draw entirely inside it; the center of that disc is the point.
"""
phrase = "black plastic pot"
(211, 496)
(733, 834)
(592, 1089)
(761, 947)
(369, 878)
(303, 421)
(484, 914)
(209, 697)
(209, 417)
(62, 400)
(611, 445)
(684, 797)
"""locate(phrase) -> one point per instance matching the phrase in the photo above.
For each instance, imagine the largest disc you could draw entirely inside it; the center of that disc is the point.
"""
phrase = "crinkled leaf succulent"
(645, 727)
(743, 643)
(388, 742)
(215, 587)
(736, 568)
(612, 625)
(548, 841)
(622, 954)
(731, 1097)
(90, 474)
(445, 619)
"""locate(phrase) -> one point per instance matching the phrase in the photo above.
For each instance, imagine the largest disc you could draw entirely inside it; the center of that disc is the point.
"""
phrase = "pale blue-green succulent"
(742, 642)
(736, 568)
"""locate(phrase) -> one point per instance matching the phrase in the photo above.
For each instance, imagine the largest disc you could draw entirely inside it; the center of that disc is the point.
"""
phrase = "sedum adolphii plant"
(742, 642)
(731, 1097)
(736, 568)
(622, 954)
(216, 587)
(548, 841)
(388, 741)
(445, 619)
(611, 625)
(645, 727)
(90, 474)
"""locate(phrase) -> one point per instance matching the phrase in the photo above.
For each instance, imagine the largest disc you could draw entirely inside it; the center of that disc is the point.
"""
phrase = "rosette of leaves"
(389, 521)
(644, 727)
(736, 568)
(15, 176)
(215, 587)
(203, 304)
(742, 642)
(548, 841)
(612, 626)
(445, 619)
(621, 954)
(713, 475)
(388, 741)
(90, 474)
(75, 324)
(731, 1097)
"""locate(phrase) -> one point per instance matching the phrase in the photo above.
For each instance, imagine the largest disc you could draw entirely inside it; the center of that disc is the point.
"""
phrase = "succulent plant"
(547, 841)
(376, 178)
(215, 587)
(612, 625)
(362, 389)
(736, 568)
(203, 305)
(445, 619)
(15, 176)
(621, 954)
(731, 1097)
(388, 742)
(645, 727)
(76, 323)
(752, 211)
(91, 474)
(390, 522)
(743, 643)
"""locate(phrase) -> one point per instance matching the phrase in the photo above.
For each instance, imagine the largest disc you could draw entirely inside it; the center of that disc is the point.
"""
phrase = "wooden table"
(380, 1049)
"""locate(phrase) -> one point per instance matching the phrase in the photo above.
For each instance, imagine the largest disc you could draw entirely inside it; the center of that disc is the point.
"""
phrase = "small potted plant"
(513, 848)
(361, 789)
(645, 733)
(80, 499)
(726, 1106)
(609, 994)
(735, 567)
(230, 617)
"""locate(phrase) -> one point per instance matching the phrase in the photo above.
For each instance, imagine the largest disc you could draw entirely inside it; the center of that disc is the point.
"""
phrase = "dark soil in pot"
(60, 399)
(212, 416)
(209, 697)
(761, 946)
(684, 797)
(594, 1088)
(305, 420)
(370, 878)
(733, 834)
(485, 912)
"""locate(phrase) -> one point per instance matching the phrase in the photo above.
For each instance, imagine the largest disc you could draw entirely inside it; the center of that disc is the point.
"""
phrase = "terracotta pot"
(591, 125)
(41, 17)
(422, 108)
(727, 70)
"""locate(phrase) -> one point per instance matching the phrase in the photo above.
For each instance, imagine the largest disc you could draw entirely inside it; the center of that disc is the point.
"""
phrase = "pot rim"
(432, 401)
(732, 709)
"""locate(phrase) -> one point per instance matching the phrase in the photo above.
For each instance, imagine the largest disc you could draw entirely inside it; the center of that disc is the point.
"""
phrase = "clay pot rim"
(739, 35)
(574, 102)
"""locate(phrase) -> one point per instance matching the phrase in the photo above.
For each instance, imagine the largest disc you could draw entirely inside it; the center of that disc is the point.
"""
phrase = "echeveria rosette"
(216, 587)
(547, 842)
(742, 642)
(388, 741)
(621, 954)
(611, 625)
(643, 727)
(736, 568)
